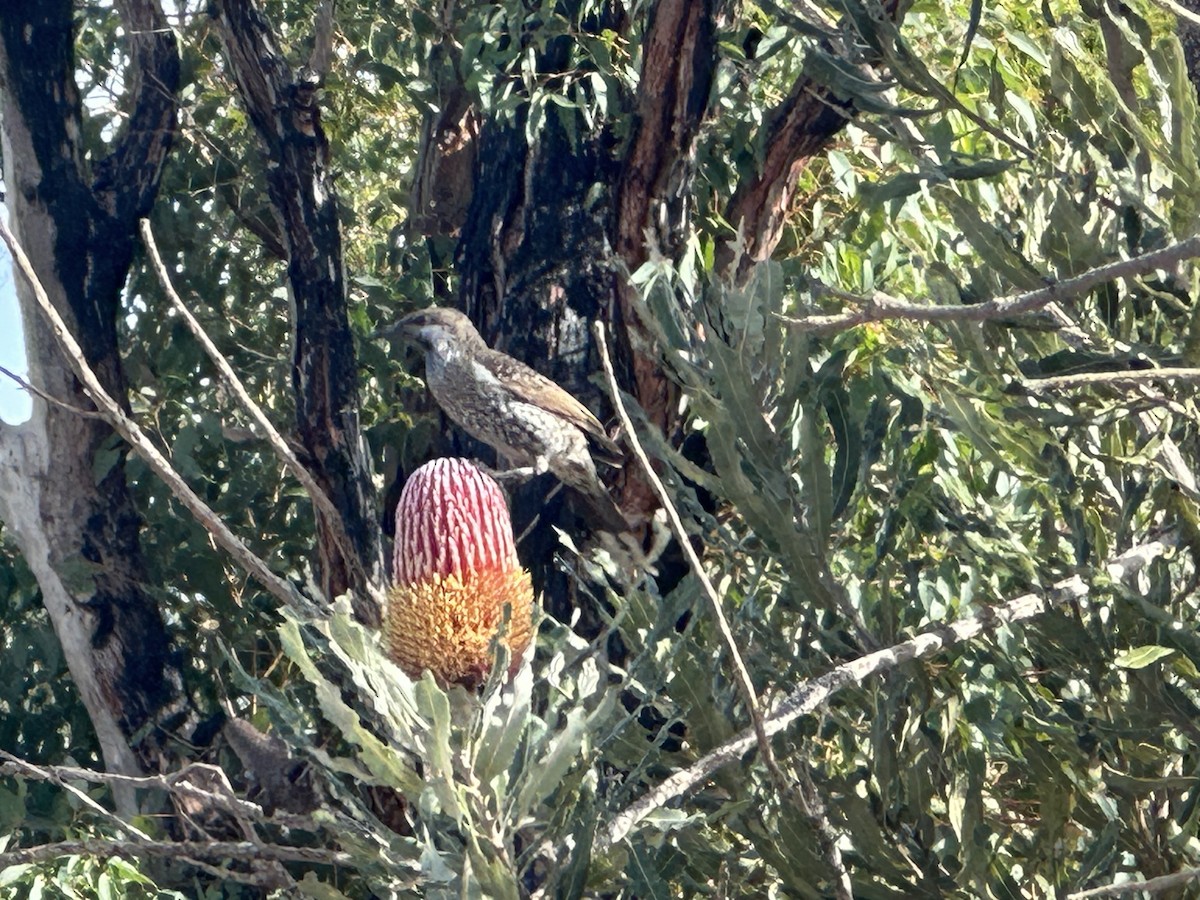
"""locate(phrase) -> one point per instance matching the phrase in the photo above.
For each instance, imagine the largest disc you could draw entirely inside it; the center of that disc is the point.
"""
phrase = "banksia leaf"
(455, 572)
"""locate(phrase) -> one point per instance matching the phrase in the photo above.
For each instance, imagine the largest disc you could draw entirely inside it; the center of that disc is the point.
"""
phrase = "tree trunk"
(63, 492)
(533, 259)
(283, 108)
(555, 225)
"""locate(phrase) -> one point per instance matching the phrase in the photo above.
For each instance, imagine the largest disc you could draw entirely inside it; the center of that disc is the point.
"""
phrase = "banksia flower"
(456, 569)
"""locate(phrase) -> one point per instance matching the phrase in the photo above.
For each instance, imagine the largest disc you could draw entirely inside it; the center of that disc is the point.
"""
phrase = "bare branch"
(814, 693)
(685, 544)
(1151, 886)
(286, 113)
(319, 497)
(807, 800)
(133, 434)
(26, 386)
(171, 782)
(880, 307)
(241, 851)
(29, 770)
(1086, 379)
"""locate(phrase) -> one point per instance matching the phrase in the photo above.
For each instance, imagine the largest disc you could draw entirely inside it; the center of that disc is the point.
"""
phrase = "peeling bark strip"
(71, 515)
(285, 114)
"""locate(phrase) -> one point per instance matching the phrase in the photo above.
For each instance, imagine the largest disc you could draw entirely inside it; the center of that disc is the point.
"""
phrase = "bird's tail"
(600, 503)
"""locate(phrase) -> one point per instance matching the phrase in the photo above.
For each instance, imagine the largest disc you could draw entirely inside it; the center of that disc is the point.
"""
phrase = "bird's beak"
(405, 329)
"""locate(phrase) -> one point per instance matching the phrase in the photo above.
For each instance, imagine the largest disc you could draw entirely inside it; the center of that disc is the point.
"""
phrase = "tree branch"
(37, 392)
(241, 851)
(679, 58)
(126, 183)
(796, 130)
(287, 119)
(880, 307)
(132, 433)
(320, 499)
(171, 783)
(1151, 886)
(18, 766)
(1087, 379)
(814, 693)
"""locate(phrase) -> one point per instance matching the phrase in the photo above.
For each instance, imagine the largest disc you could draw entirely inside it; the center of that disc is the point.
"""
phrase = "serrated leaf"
(435, 707)
(503, 725)
(545, 774)
(382, 761)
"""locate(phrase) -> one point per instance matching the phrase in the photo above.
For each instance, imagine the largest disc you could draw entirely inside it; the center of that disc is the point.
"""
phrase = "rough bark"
(445, 166)
(653, 209)
(283, 107)
(64, 495)
(535, 272)
(679, 59)
(547, 219)
(799, 129)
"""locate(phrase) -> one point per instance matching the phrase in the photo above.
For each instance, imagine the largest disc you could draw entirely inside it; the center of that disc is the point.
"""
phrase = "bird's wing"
(533, 387)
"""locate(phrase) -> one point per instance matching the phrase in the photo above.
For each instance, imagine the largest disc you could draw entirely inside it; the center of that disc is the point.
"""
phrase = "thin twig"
(134, 436)
(322, 503)
(171, 782)
(685, 543)
(880, 307)
(29, 770)
(807, 801)
(54, 401)
(814, 693)
(1086, 379)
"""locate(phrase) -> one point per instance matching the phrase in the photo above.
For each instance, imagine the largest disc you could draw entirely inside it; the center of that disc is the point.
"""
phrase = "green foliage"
(859, 487)
(82, 877)
(495, 779)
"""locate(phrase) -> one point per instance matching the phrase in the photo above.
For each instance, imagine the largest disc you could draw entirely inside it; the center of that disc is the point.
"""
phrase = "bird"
(523, 415)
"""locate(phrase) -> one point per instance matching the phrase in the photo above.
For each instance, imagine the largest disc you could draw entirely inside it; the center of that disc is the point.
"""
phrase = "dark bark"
(79, 233)
(283, 107)
(537, 246)
(534, 255)
(535, 270)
